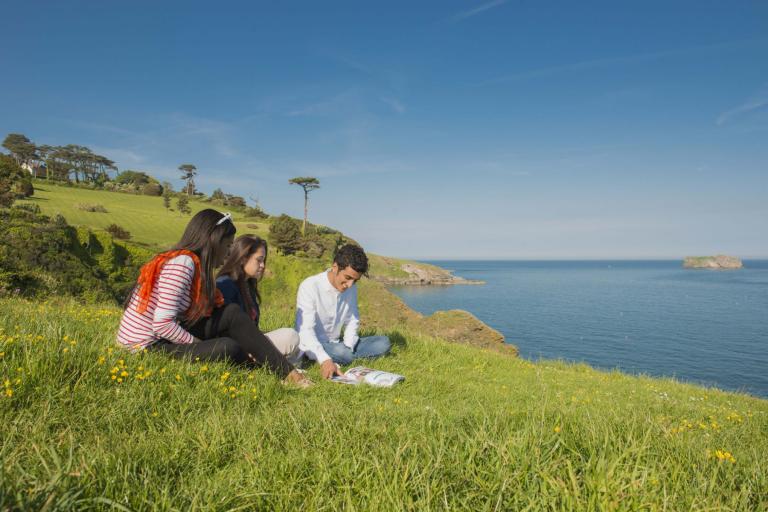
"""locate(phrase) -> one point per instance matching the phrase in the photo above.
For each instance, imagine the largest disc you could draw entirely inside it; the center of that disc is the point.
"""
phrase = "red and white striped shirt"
(167, 303)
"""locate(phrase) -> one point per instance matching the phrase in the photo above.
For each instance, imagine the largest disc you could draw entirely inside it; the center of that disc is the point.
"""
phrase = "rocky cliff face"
(407, 273)
(383, 310)
(718, 262)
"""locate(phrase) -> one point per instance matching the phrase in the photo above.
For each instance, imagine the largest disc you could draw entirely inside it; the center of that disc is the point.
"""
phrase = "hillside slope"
(90, 427)
(156, 228)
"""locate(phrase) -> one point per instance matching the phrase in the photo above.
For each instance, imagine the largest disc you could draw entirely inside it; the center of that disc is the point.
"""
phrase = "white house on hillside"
(36, 170)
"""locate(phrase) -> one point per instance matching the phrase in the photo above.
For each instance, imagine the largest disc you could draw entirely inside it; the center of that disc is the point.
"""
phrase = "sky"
(451, 129)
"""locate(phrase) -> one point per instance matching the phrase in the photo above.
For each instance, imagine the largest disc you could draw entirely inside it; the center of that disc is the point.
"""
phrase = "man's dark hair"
(350, 255)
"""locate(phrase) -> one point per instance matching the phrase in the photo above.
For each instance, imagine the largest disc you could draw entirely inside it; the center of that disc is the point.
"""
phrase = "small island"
(719, 262)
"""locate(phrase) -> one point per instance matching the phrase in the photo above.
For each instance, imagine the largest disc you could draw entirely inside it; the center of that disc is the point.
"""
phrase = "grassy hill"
(153, 226)
(144, 217)
(90, 427)
(87, 426)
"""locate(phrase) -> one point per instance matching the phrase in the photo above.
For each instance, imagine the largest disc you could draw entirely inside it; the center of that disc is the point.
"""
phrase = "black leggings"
(229, 334)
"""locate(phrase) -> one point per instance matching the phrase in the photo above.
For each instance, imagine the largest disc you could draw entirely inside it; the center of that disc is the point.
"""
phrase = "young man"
(327, 302)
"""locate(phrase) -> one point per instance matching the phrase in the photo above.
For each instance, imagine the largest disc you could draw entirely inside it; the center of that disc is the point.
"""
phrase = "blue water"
(651, 317)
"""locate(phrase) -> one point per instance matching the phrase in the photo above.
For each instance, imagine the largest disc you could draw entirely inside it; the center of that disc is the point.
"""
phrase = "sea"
(708, 327)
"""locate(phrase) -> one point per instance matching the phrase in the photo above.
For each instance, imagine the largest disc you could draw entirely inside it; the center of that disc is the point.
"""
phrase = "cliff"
(383, 310)
(397, 272)
(712, 262)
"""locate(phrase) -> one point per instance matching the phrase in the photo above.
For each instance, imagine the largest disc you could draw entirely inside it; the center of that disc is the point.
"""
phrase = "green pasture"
(145, 217)
(87, 426)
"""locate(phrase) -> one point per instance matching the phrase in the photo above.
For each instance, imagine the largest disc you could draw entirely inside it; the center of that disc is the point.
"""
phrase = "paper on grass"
(363, 375)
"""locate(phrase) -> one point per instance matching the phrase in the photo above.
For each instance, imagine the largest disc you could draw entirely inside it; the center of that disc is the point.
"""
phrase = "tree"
(22, 149)
(167, 192)
(308, 184)
(188, 172)
(12, 180)
(135, 178)
(182, 204)
(45, 153)
(284, 233)
(219, 195)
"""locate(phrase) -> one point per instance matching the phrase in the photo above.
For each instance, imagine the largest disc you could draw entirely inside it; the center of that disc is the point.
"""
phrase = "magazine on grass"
(363, 375)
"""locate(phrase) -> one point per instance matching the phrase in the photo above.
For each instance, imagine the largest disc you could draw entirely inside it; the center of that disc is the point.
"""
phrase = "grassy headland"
(88, 426)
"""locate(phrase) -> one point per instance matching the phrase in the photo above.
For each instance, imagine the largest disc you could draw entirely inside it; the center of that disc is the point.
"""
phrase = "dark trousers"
(229, 334)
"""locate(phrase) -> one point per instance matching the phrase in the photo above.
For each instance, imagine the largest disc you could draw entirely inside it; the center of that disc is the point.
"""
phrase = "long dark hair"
(203, 236)
(243, 248)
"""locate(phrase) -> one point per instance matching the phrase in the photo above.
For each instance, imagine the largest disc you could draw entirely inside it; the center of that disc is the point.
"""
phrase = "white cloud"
(396, 104)
(754, 104)
(477, 10)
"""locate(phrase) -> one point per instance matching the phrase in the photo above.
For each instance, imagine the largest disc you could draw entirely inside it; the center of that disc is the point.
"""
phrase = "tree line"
(59, 162)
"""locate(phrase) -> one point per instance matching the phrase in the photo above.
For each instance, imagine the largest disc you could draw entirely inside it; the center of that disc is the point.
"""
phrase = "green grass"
(144, 217)
(385, 266)
(467, 430)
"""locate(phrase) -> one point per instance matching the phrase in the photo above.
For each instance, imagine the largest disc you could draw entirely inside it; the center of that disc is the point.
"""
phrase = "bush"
(152, 189)
(118, 232)
(182, 204)
(285, 234)
(255, 213)
(91, 207)
(235, 201)
(11, 174)
(24, 188)
(325, 230)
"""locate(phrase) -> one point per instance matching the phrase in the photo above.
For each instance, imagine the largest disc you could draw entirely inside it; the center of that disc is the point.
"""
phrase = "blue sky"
(450, 129)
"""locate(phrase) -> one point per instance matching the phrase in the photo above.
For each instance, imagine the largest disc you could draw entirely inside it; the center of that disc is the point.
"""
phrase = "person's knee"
(372, 346)
(342, 358)
(381, 343)
(339, 353)
(225, 348)
(286, 340)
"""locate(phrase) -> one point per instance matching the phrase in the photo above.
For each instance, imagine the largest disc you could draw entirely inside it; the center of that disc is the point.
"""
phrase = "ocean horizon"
(640, 316)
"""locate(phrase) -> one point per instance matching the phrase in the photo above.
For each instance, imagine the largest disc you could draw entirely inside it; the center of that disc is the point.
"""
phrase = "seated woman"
(238, 281)
(176, 308)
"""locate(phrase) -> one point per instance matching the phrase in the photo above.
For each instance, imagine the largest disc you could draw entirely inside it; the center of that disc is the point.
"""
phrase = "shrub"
(118, 232)
(11, 174)
(182, 204)
(152, 189)
(134, 178)
(325, 230)
(285, 234)
(91, 207)
(24, 188)
(255, 213)
(235, 201)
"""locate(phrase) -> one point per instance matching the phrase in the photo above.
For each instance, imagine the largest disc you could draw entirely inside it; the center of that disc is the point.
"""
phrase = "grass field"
(144, 217)
(149, 222)
(88, 426)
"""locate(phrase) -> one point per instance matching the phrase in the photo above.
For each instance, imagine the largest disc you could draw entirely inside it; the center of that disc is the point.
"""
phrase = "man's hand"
(328, 369)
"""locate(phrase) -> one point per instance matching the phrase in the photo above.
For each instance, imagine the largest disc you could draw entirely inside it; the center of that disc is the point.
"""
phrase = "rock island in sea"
(720, 261)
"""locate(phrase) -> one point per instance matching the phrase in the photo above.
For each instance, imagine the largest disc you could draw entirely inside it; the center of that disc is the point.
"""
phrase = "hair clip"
(227, 217)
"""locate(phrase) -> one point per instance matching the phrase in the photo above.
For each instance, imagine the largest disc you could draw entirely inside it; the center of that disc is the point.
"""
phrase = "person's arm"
(353, 322)
(173, 285)
(229, 291)
(306, 316)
